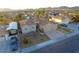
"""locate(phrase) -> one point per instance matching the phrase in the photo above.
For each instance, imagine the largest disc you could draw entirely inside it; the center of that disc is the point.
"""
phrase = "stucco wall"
(28, 28)
(49, 27)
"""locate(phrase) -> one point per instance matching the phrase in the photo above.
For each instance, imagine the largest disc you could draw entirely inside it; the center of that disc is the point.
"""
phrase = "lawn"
(31, 39)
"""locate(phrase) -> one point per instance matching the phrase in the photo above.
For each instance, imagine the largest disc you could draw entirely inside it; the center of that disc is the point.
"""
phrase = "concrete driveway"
(51, 32)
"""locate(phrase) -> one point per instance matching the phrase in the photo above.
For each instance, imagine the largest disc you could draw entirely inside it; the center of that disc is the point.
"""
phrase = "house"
(12, 28)
(65, 20)
(26, 17)
(60, 19)
(27, 26)
(53, 14)
(49, 27)
(3, 33)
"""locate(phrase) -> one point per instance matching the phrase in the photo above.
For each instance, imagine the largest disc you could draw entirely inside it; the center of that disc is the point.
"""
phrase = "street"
(71, 45)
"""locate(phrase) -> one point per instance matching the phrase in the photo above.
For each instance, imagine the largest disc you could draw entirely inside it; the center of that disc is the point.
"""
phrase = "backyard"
(32, 39)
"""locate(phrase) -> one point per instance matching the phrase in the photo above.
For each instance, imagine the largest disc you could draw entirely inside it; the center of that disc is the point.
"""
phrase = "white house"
(65, 20)
(12, 25)
(60, 19)
(26, 17)
(12, 28)
(27, 26)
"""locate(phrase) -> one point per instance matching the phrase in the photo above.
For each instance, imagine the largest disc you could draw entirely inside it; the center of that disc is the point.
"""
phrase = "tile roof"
(26, 22)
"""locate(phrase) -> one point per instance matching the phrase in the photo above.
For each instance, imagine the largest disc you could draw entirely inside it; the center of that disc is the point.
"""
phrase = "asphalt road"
(70, 45)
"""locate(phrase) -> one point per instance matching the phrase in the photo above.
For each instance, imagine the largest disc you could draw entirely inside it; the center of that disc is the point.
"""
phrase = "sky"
(24, 4)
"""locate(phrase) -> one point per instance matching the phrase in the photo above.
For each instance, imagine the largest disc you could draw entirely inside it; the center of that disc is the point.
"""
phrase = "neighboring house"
(49, 27)
(65, 20)
(55, 19)
(27, 26)
(26, 17)
(59, 19)
(12, 28)
(2, 34)
(53, 14)
(3, 40)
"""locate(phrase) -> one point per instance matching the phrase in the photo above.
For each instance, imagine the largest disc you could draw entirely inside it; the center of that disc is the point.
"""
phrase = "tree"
(41, 13)
(18, 17)
(75, 18)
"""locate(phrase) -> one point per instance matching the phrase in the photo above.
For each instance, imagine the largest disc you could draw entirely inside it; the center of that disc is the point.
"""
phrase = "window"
(25, 28)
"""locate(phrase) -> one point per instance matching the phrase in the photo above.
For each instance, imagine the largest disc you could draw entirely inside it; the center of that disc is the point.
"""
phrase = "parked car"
(63, 25)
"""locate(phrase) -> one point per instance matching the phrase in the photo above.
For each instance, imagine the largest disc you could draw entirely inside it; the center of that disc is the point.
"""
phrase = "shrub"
(25, 40)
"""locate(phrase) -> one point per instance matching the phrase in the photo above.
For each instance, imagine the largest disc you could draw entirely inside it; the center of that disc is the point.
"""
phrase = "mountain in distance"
(66, 7)
(5, 9)
(76, 7)
(61, 7)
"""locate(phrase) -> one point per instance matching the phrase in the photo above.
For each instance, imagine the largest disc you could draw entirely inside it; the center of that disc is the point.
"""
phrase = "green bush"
(25, 40)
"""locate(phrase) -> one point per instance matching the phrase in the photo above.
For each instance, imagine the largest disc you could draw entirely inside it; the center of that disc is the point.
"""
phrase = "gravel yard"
(32, 39)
